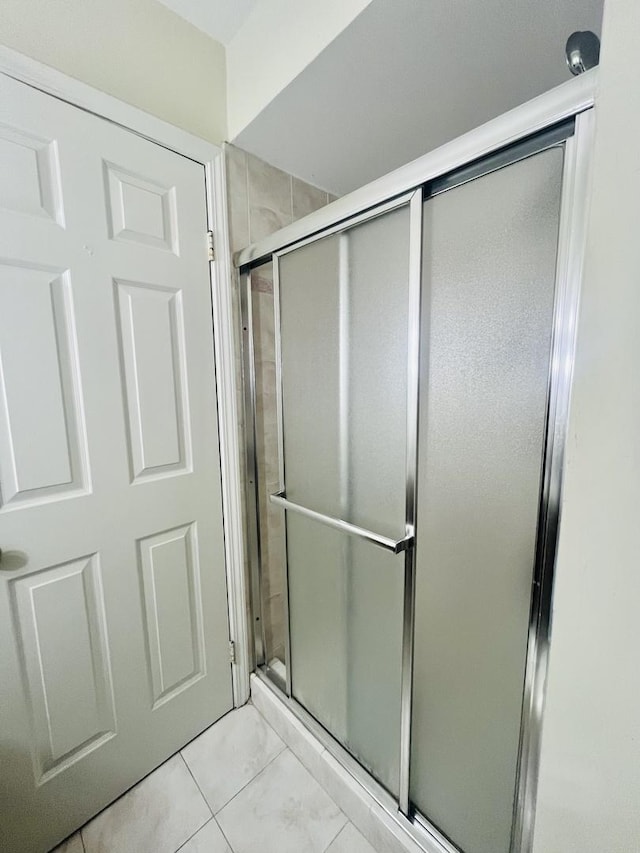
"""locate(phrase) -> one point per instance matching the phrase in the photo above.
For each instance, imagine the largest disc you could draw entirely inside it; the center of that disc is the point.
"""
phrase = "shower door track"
(571, 102)
(418, 828)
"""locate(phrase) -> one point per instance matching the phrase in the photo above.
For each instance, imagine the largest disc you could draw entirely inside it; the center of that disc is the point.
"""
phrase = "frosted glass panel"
(345, 602)
(488, 286)
(344, 320)
(343, 304)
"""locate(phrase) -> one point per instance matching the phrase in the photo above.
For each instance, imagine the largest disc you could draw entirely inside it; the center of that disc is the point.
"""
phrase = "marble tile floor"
(235, 789)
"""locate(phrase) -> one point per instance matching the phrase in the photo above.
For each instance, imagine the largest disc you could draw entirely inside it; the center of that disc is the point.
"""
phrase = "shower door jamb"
(571, 250)
(251, 456)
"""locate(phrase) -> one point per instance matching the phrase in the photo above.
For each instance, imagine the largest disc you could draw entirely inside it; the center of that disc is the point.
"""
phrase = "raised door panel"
(170, 577)
(154, 378)
(61, 632)
(29, 175)
(140, 210)
(39, 384)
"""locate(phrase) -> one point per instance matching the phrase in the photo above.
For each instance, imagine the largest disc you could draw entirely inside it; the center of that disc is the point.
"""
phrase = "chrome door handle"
(396, 546)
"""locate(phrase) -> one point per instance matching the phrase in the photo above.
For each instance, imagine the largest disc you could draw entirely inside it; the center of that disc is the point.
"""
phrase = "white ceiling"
(408, 75)
(220, 19)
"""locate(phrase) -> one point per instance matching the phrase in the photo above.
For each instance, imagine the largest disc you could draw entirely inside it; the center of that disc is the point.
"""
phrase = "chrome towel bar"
(396, 546)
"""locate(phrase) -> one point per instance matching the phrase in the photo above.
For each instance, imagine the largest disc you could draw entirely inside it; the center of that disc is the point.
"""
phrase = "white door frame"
(78, 94)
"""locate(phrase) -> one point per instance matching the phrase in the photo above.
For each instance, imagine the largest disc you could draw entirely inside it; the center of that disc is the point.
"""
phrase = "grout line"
(259, 773)
(279, 752)
(206, 823)
(339, 832)
(223, 835)
(291, 195)
(84, 849)
(195, 781)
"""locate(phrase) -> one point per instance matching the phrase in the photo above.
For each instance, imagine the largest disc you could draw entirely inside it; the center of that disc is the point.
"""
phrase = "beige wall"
(136, 50)
(277, 41)
(589, 792)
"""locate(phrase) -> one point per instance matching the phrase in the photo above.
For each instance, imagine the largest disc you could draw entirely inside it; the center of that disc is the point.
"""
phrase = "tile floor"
(234, 789)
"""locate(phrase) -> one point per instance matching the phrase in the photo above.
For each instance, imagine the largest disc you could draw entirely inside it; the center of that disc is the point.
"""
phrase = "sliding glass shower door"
(343, 304)
(417, 354)
(490, 248)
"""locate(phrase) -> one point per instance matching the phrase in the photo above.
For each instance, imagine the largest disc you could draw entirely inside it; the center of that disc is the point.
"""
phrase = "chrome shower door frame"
(412, 200)
(571, 249)
(573, 100)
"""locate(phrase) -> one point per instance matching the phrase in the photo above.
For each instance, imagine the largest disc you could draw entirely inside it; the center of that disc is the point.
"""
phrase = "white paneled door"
(113, 612)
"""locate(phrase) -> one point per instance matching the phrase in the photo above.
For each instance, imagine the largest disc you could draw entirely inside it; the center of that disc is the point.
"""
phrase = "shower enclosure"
(408, 355)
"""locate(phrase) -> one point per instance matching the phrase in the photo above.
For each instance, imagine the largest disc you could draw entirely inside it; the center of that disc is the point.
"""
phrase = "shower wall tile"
(269, 199)
(261, 200)
(262, 289)
(305, 198)
(274, 629)
(271, 518)
(261, 283)
(238, 199)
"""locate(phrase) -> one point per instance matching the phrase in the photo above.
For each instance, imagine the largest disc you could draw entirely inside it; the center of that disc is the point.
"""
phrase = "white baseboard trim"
(374, 822)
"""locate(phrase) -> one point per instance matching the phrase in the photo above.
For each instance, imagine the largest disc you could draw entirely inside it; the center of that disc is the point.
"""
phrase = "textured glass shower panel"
(488, 292)
(344, 319)
(345, 601)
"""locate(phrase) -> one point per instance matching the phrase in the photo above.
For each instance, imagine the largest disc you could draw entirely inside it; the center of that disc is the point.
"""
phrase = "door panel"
(70, 715)
(173, 609)
(487, 301)
(29, 176)
(344, 325)
(110, 497)
(152, 346)
(345, 600)
(38, 385)
(140, 210)
(344, 320)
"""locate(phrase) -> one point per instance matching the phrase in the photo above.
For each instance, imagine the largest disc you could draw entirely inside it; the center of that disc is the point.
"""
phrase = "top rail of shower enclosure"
(561, 105)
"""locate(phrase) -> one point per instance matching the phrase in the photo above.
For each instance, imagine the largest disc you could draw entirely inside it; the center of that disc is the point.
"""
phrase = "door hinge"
(210, 246)
(232, 651)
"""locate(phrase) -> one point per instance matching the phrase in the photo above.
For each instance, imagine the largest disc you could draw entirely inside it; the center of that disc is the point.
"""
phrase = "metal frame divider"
(253, 529)
(413, 371)
(281, 472)
(571, 248)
